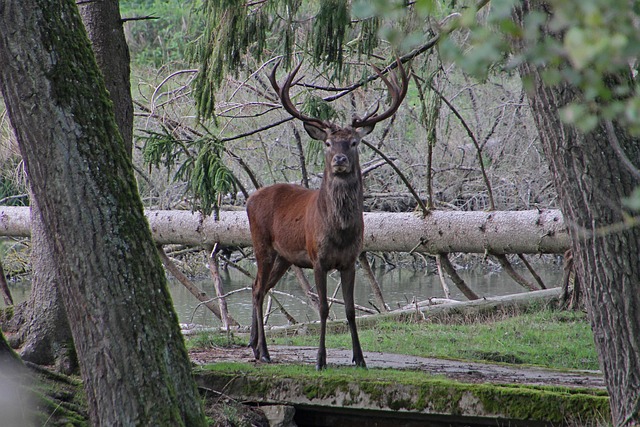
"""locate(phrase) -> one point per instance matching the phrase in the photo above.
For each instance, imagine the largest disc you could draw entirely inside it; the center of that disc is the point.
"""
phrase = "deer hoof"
(360, 363)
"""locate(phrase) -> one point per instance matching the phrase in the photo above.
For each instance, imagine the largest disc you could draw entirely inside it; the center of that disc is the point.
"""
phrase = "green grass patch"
(549, 338)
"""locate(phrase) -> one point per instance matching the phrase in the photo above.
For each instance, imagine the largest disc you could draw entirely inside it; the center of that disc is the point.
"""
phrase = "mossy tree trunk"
(45, 338)
(592, 180)
(132, 357)
(104, 26)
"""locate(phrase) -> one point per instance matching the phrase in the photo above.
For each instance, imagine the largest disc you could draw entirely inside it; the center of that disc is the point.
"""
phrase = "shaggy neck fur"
(342, 195)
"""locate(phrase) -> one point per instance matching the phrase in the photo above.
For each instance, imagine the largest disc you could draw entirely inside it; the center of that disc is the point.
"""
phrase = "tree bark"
(46, 336)
(133, 361)
(103, 23)
(591, 180)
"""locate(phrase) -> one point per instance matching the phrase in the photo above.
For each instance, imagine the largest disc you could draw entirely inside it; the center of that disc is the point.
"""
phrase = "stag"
(319, 229)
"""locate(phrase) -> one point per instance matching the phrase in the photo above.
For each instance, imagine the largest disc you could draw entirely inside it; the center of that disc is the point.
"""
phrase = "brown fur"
(319, 229)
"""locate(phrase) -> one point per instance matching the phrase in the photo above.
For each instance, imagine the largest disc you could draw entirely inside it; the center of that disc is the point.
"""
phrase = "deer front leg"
(348, 281)
(258, 341)
(321, 287)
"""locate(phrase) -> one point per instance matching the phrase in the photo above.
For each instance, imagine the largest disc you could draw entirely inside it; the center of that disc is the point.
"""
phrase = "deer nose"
(340, 160)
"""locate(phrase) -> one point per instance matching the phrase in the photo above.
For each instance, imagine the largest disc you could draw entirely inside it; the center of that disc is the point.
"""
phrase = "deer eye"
(327, 143)
(354, 142)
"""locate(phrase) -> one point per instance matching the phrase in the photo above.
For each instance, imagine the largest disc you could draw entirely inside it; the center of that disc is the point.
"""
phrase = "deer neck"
(342, 199)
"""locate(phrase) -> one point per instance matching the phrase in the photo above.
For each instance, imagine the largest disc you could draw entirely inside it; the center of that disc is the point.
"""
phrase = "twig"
(217, 284)
(375, 287)
(195, 291)
(375, 165)
(443, 281)
(506, 265)
(138, 18)
(6, 293)
(457, 280)
(532, 271)
(453, 109)
(284, 311)
(268, 309)
(615, 144)
(306, 287)
(404, 179)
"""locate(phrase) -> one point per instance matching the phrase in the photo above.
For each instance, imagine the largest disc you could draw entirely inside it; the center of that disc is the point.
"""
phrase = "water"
(399, 287)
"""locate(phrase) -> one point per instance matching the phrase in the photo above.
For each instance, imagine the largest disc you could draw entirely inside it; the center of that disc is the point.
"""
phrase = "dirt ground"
(462, 371)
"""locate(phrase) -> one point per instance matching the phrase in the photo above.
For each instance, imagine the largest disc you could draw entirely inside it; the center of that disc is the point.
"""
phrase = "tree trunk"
(591, 181)
(46, 335)
(132, 357)
(103, 23)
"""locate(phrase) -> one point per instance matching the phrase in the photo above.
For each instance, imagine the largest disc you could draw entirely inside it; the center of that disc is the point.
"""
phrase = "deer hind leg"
(321, 288)
(270, 270)
(348, 280)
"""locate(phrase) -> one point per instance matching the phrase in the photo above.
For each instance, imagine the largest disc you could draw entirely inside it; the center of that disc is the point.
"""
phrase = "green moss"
(410, 390)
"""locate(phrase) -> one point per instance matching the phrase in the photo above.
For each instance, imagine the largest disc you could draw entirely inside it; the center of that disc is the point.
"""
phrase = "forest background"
(160, 146)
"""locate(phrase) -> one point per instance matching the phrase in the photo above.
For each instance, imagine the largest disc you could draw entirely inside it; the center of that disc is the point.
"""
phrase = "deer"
(319, 229)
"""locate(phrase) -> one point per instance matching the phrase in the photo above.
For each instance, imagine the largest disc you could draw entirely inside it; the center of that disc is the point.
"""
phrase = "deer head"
(341, 143)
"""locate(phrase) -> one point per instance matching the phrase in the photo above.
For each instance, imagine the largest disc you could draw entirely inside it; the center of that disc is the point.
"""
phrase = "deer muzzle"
(340, 164)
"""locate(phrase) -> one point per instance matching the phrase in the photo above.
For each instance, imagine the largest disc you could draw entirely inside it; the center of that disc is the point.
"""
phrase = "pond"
(400, 286)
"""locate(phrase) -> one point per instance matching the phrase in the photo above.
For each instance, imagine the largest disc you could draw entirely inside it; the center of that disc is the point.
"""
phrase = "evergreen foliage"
(235, 29)
(328, 33)
(198, 162)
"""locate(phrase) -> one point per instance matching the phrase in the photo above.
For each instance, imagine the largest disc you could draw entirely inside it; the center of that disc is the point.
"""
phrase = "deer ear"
(315, 132)
(365, 130)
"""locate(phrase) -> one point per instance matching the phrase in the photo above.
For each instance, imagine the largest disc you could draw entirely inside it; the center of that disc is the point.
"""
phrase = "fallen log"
(497, 232)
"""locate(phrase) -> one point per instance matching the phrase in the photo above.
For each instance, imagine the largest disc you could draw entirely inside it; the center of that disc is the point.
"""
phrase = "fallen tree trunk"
(497, 232)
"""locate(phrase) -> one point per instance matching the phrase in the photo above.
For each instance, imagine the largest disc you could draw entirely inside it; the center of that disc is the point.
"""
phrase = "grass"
(549, 338)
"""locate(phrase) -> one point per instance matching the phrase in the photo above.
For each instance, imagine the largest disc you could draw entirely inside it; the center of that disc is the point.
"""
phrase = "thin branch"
(615, 144)
(375, 287)
(217, 284)
(6, 293)
(137, 18)
(475, 143)
(253, 132)
(443, 281)
(506, 265)
(404, 179)
(195, 291)
(284, 311)
(459, 281)
(375, 165)
(532, 271)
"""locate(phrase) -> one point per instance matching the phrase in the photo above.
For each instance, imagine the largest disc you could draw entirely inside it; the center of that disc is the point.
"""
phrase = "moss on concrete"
(404, 391)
